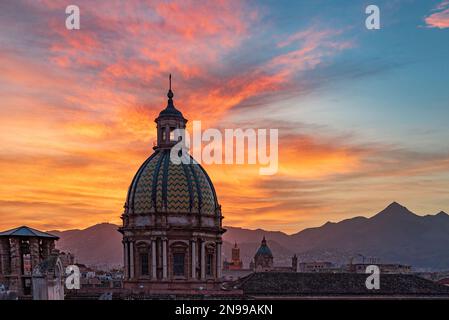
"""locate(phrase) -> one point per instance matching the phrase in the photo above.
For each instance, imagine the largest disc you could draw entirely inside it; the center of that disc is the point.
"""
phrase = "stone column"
(16, 263)
(131, 257)
(45, 249)
(153, 260)
(125, 260)
(218, 263)
(164, 258)
(203, 260)
(5, 260)
(34, 252)
(167, 135)
(16, 267)
(51, 247)
(193, 248)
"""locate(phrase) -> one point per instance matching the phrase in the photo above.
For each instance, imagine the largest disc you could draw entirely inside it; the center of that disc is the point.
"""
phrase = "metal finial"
(170, 93)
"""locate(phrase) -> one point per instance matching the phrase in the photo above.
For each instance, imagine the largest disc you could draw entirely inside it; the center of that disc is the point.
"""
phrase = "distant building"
(235, 263)
(384, 268)
(91, 278)
(233, 270)
(444, 281)
(296, 285)
(263, 260)
(235, 274)
(294, 263)
(22, 250)
(67, 259)
(315, 266)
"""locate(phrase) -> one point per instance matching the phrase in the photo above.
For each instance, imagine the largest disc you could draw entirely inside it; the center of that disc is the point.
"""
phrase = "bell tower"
(168, 121)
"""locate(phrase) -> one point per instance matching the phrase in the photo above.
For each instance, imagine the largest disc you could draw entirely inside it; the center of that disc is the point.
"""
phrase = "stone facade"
(48, 279)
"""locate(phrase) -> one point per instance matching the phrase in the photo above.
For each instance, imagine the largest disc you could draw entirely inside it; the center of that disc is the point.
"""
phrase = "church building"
(172, 222)
(263, 259)
(236, 263)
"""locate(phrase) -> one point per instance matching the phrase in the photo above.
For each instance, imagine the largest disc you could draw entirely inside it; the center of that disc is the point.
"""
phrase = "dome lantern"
(168, 121)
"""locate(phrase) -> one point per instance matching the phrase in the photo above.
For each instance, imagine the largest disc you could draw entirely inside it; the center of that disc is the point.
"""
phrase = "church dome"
(264, 250)
(162, 186)
(172, 222)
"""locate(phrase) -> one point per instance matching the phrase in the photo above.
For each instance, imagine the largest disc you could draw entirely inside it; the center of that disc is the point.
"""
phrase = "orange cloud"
(78, 107)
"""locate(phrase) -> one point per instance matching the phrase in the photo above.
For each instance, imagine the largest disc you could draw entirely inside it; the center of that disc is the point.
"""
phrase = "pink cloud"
(439, 19)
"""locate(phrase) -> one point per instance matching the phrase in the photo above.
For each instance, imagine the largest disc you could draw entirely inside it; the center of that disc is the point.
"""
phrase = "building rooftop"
(25, 231)
(335, 284)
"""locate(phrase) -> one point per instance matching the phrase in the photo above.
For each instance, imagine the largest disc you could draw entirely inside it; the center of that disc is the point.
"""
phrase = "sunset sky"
(363, 115)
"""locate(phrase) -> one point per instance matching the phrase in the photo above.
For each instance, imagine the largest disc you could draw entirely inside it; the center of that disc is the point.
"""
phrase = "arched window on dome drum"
(178, 257)
(209, 264)
(210, 258)
(164, 134)
(178, 264)
(144, 259)
(144, 264)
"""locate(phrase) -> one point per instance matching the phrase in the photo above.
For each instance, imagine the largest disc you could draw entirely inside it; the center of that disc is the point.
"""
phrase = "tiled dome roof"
(162, 186)
(264, 250)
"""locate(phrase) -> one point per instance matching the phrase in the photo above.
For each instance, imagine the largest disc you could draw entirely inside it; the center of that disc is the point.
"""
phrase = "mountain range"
(394, 235)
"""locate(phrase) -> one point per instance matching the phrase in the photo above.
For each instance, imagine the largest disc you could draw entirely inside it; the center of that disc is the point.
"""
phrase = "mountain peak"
(395, 205)
(395, 209)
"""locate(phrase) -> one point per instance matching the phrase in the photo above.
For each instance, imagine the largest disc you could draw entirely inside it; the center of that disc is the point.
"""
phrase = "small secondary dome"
(264, 250)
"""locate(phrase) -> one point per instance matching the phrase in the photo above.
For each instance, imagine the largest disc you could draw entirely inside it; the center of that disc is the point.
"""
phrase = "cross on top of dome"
(170, 93)
(170, 110)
